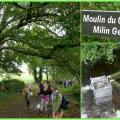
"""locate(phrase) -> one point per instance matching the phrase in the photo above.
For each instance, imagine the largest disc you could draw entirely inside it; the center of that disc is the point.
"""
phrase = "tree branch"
(26, 52)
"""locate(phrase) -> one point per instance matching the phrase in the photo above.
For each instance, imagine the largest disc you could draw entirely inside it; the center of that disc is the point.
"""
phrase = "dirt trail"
(16, 108)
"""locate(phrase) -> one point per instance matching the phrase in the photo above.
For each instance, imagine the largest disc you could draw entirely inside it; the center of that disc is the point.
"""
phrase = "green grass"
(4, 97)
(72, 93)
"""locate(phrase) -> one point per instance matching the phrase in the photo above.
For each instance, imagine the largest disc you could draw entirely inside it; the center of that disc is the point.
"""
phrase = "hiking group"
(68, 83)
(48, 94)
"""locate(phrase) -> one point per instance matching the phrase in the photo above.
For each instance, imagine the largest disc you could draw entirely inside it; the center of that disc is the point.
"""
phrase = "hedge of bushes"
(11, 85)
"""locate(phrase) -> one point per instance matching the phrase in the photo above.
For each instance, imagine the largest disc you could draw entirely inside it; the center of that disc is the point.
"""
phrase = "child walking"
(45, 96)
(28, 92)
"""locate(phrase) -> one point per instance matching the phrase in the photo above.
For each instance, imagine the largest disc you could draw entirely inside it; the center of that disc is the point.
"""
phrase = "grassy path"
(16, 108)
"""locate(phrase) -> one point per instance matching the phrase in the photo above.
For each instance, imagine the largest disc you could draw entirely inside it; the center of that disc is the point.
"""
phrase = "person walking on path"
(28, 93)
(56, 98)
(70, 83)
(66, 83)
(45, 96)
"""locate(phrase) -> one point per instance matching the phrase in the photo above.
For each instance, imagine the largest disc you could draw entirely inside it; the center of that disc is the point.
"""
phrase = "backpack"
(64, 103)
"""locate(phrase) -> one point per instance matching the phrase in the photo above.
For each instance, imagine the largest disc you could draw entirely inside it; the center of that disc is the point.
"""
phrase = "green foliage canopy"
(47, 31)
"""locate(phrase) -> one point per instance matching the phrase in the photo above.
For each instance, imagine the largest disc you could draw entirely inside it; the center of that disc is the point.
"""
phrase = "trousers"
(43, 105)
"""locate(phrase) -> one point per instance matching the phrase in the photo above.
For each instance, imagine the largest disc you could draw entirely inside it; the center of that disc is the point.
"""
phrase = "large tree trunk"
(47, 76)
(53, 74)
(35, 74)
(40, 74)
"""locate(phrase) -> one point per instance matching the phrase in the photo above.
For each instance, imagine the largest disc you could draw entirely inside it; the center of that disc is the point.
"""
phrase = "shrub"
(76, 92)
(12, 85)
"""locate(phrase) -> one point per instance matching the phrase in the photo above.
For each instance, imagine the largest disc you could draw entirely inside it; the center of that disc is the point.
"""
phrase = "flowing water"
(91, 110)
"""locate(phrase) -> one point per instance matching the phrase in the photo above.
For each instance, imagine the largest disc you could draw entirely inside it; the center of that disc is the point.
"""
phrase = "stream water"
(91, 110)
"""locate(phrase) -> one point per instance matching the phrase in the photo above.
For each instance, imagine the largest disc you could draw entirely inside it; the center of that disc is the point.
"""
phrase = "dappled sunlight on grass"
(73, 93)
